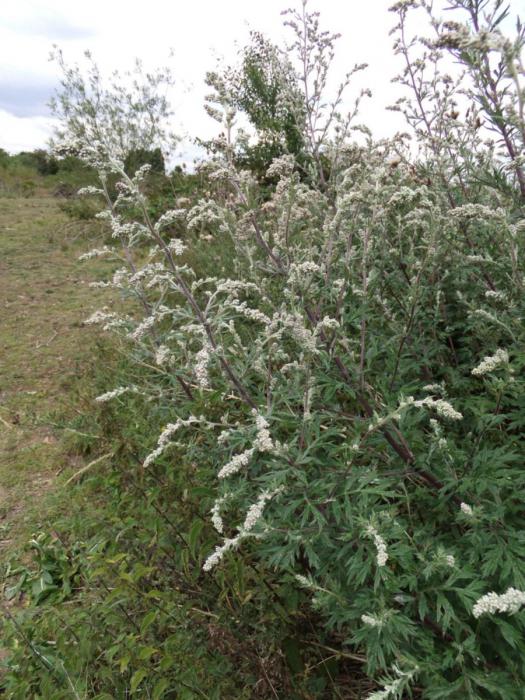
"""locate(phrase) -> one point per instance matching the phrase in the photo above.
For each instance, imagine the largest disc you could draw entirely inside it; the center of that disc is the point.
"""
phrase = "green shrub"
(80, 208)
(141, 156)
(40, 160)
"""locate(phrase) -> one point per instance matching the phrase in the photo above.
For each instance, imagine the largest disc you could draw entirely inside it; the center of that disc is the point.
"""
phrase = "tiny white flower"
(104, 398)
(202, 360)
(466, 509)
(162, 355)
(491, 362)
(236, 463)
(371, 620)
(509, 602)
(380, 545)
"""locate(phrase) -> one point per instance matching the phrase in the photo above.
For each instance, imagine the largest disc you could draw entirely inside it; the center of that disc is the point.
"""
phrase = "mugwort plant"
(350, 384)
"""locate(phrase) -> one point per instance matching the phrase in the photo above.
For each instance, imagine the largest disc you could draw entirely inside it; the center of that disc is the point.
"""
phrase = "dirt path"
(43, 346)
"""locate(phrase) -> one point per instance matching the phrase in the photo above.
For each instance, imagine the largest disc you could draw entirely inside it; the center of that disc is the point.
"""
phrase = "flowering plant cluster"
(349, 383)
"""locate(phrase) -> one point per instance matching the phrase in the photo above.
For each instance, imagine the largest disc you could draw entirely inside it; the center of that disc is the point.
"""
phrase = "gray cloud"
(26, 99)
(53, 28)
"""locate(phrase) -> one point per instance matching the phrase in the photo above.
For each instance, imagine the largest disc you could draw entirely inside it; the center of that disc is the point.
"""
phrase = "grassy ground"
(44, 297)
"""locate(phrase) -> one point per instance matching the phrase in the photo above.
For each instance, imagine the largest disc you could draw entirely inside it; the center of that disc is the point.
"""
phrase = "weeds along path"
(43, 348)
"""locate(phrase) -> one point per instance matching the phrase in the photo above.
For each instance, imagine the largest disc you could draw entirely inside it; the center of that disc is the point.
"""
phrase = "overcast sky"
(198, 31)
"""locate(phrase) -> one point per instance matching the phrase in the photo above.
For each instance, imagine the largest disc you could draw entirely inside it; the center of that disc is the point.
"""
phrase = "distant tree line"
(45, 163)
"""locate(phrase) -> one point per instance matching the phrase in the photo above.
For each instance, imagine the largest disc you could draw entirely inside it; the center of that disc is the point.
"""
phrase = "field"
(44, 349)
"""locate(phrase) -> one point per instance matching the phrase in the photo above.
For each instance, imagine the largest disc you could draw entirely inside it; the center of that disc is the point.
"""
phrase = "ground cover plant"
(315, 439)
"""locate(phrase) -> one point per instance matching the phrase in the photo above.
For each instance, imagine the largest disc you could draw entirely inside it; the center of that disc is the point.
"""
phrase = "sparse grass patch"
(43, 348)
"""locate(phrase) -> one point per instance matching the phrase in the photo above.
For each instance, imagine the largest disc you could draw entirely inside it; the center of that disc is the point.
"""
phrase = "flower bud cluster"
(109, 395)
(380, 545)
(491, 362)
(509, 602)
(164, 439)
(253, 515)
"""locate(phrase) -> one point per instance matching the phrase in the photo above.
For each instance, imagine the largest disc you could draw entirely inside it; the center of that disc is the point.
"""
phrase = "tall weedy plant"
(356, 381)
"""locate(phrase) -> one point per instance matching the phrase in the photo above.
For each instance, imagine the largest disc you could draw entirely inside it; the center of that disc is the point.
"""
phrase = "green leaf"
(12, 591)
(193, 535)
(510, 633)
(137, 678)
(202, 491)
(160, 687)
(148, 620)
(292, 653)
(146, 653)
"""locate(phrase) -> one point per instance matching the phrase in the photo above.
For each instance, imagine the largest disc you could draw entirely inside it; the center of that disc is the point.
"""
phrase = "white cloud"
(24, 133)
(197, 31)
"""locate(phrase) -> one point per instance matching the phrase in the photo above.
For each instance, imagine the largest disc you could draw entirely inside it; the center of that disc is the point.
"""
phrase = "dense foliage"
(265, 90)
(331, 357)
